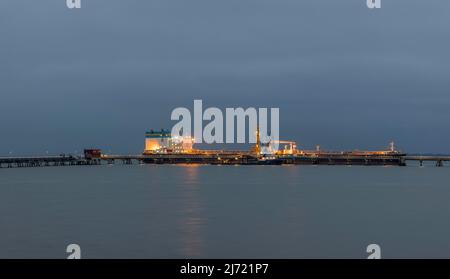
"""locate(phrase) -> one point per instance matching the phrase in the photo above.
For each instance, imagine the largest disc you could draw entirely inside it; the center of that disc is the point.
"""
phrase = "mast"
(258, 142)
(392, 146)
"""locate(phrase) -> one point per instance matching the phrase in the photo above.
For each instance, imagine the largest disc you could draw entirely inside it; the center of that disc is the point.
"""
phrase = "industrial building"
(163, 142)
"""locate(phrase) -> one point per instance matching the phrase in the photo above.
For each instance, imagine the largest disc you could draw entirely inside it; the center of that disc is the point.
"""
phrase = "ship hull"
(236, 159)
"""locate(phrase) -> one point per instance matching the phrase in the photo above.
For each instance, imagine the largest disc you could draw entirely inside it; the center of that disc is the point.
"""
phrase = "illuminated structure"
(258, 142)
(289, 147)
(162, 147)
(181, 144)
(156, 140)
(163, 142)
(267, 148)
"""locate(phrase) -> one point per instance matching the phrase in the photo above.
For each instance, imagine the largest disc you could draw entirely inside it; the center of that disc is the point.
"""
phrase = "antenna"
(392, 146)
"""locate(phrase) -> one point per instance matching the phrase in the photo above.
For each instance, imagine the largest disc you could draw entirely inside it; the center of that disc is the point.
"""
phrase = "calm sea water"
(166, 211)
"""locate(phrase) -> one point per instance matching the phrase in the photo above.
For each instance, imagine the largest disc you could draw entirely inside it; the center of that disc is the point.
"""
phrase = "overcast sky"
(343, 76)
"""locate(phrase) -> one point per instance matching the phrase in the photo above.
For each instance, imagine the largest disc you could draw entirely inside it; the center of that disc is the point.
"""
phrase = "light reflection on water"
(192, 217)
(168, 211)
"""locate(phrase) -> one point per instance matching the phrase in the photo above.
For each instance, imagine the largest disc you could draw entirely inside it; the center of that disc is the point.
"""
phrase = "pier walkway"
(438, 159)
(42, 161)
(72, 160)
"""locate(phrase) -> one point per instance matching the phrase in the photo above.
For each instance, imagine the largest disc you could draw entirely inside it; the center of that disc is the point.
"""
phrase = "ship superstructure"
(162, 142)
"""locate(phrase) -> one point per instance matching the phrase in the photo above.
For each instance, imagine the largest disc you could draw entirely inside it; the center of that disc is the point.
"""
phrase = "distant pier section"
(438, 160)
(42, 161)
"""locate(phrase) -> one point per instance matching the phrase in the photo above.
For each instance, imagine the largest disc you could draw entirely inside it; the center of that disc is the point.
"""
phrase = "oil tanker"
(163, 148)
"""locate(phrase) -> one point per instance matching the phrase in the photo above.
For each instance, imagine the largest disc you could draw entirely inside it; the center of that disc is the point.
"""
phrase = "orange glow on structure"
(151, 145)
